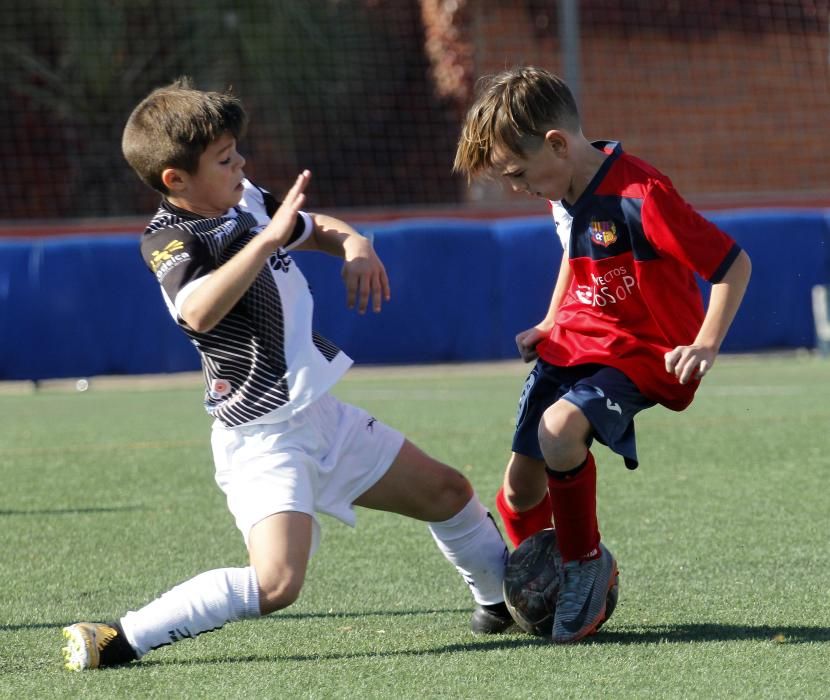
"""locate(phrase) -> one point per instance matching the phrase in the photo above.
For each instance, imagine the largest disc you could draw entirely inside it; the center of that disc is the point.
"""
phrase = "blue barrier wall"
(461, 290)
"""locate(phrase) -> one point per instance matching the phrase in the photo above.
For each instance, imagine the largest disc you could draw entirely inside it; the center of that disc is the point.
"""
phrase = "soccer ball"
(531, 584)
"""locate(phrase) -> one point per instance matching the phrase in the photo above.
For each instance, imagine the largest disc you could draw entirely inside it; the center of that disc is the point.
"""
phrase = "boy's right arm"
(527, 340)
(223, 288)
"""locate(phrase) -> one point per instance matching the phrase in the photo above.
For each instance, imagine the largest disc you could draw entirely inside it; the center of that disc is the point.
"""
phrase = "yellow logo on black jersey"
(159, 257)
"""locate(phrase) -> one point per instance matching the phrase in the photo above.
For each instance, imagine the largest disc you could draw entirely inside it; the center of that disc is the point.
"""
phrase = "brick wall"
(731, 116)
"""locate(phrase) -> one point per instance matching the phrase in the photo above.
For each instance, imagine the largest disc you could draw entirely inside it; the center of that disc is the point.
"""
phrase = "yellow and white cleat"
(95, 644)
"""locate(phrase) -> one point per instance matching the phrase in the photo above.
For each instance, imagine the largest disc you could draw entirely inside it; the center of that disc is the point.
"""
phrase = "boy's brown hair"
(172, 127)
(513, 110)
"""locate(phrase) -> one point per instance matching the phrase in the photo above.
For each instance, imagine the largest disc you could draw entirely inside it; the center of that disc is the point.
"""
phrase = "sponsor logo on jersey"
(613, 287)
(164, 260)
(603, 233)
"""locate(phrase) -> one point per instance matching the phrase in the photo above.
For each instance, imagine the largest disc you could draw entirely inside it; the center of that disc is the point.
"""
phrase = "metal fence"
(729, 97)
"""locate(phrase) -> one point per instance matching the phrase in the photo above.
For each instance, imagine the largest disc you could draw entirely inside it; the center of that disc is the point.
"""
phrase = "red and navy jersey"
(634, 246)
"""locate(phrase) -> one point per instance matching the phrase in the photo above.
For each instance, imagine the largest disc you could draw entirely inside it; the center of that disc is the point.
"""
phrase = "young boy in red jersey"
(625, 328)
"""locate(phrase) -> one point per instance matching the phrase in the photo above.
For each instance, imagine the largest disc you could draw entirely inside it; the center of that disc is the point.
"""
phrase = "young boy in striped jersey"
(625, 328)
(284, 448)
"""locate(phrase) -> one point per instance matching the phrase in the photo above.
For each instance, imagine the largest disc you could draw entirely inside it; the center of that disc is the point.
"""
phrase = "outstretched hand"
(282, 224)
(364, 276)
(688, 362)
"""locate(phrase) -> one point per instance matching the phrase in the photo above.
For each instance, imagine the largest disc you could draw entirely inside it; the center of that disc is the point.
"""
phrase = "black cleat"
(491, 619)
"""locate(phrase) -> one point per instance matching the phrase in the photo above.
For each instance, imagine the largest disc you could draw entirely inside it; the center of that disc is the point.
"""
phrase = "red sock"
(574, 501)
(520, 525)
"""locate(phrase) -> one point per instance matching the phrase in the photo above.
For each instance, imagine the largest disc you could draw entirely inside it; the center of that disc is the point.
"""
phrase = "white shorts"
(319, 461)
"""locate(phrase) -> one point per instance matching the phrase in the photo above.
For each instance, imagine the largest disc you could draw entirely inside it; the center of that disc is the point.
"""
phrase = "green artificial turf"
(721, 536)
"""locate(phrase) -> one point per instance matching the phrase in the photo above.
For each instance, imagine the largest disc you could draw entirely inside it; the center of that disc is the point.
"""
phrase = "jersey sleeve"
(562, 221)
(177, 258)
(676, 230)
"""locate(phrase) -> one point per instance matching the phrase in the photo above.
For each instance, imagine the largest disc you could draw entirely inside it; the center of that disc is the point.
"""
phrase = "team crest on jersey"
(603, 233)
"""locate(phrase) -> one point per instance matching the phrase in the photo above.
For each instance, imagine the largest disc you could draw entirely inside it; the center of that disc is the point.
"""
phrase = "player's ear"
(556, 140)
(174, 179)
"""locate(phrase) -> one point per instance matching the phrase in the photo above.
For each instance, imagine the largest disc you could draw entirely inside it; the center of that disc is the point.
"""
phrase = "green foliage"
(76, 56)
(84, 64)
(720, 535)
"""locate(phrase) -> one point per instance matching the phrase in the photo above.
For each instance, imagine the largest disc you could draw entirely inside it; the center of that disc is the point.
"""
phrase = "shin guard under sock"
(471, 541)
(574, 501)
(198, 605)
(519, 525)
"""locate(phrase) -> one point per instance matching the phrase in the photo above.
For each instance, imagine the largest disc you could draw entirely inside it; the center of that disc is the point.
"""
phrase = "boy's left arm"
(363, 272)
(693, 361)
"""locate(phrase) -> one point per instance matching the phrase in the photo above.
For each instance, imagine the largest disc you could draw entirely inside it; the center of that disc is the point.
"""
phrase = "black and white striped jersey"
(262, 363)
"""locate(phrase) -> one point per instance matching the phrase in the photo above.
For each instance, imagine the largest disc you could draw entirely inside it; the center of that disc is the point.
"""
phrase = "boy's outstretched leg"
(204, 603)
(423, 488)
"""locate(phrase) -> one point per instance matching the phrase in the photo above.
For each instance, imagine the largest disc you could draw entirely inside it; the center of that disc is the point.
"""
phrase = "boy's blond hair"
(513, 110)
(172, 127)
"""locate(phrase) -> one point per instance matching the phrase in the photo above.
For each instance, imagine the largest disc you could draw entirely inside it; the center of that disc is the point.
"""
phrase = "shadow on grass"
(68, 511)
(35, 626)
(712, 632)
(646, 634)
(358, 614)
(267, 620)
(667, 634)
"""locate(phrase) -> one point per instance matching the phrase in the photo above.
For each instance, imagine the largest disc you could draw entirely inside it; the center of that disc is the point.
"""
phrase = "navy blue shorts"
(607, 397)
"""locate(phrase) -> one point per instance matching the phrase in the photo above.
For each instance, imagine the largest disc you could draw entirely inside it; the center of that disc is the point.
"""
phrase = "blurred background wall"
(730, 97)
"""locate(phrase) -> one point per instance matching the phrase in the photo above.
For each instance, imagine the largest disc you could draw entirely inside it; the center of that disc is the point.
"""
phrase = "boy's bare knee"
(563, 434)
(525, 482)
(419, 486)
(440, 496)
(452, 493)
(278, 593)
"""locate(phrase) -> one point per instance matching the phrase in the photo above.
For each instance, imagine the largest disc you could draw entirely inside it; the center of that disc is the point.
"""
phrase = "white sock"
(203, 603)
(471, 541)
